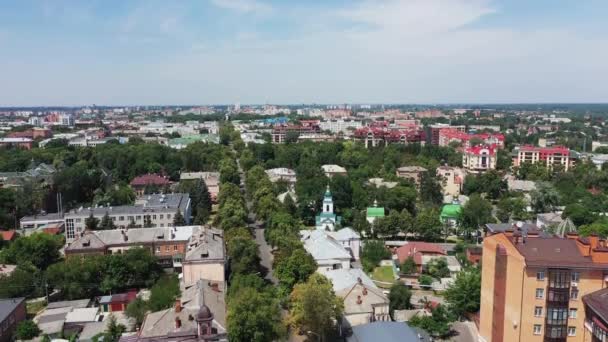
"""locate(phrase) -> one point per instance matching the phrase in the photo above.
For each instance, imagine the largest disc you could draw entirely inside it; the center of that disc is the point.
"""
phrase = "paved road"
(265, 255)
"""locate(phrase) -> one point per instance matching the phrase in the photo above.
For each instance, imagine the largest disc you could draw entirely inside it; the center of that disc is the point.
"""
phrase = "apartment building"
(548, 156)
(450, 135)
(157, 209)
(434, 130)
(535, 288)
(373, 136)
(479, 159)
(211, 179)
(340, 126)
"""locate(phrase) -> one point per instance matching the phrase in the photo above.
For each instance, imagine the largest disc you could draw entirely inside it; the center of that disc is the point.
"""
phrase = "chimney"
(359, 301)
(594, 241)
(178, 306)
(178, 323)
(365, 291)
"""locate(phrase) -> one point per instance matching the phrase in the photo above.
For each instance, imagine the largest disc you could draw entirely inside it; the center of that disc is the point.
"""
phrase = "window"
(154, 217)
(540, 293)
(537, 329)
(175, 247)
(157, 249)
(540, 275)
(575, 276)
(571, 331)
(168, 216)
(138, 217)
(573, 313)
(167, 249)
(538, 311)
(121, 218)
(574, 294)
(78, 220)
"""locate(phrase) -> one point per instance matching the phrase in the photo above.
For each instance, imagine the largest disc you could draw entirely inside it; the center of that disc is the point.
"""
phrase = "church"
(327, 220)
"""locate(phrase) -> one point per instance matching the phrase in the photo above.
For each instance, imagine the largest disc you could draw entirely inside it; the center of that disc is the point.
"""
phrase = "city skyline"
(66, 53)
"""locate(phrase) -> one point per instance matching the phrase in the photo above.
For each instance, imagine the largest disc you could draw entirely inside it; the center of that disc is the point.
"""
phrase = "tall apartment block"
(543, 289)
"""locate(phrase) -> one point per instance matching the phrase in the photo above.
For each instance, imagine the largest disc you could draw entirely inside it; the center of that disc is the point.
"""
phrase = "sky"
(150, 52)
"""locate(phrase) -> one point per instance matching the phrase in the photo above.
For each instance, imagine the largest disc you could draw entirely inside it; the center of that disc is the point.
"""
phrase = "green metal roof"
(375, 212)
(451, 210)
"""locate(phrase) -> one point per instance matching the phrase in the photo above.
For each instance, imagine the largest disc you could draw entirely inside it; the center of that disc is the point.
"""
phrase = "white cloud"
(244, 6)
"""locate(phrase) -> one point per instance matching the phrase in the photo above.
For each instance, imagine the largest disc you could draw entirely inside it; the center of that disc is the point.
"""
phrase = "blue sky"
(123, 52)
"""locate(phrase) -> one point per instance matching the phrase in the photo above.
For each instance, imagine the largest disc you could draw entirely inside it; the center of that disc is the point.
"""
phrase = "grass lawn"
(33, 308)
(384, 274)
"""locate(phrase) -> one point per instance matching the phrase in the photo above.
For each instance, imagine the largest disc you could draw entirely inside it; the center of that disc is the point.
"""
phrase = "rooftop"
(150, 179)
(387, 332)
(7, 306)
(146, 204)
(556, 252)
(598, 302)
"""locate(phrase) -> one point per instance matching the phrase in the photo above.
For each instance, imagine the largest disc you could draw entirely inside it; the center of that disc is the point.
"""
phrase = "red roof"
(8, 235)
(417, 250)
(456, 134)
(477, 150)
(545, 150)
(150, 179)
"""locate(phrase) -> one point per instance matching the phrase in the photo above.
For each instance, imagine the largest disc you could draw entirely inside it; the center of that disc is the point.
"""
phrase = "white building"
(329, 254)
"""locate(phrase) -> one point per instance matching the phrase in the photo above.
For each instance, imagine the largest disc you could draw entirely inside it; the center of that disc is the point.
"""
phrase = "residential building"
(156, 182)
(332, 170)
(347, 237)
(282, 174)
(548, 156)
(448, 136)
(206, 256)
(412, 173)
(340, 126)
(452, 180)
(41, 174)
(479, 159)
(157, 209)
(417, 250)
(519, 185)
(596, 316)
(373, 136)
(211, 179)
(364, 302)
(8, 235)
(198, 315)
(25, 143)
(434, 130)
(387, 332)
(532, 287)
(280, 132)
(12, 312)
(168, 244)
(329, 254)
(327, 220)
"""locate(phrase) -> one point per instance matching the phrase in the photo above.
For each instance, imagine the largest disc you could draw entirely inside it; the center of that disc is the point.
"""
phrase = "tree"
(254, 316)
(114, 330)
(438, 268)
(27, 330)
(296, 268)
(164, 293)
(399, 298)
(463, 296)
(475, 213)
(106, 222)
(137, 310)
(438, 324)
(178, 219)
(430, 189)
(408, 266)
(545, 198)
(244, 258)
(372, 253)
(22, 282)
(509, 208)
(314, 306)
(91, 222)
(427, 226)
(290, 205)
(425, 280)
(39, 249)
(579, 214)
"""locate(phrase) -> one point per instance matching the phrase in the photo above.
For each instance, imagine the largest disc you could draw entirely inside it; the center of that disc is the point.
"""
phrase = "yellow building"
(532, 287)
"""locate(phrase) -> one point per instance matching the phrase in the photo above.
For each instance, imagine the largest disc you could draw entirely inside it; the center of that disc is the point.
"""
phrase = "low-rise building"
(479, 159)
(25, 143)
(417, 250)
(156, 209)
(41, 220)
(412, 173)
(282, 174)
(332, 170)
(347, 237)
(387, 332)
(12, 312)
(155, 181)
(452, 180)
(211, 179)
(328, 253)
(206, 256)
